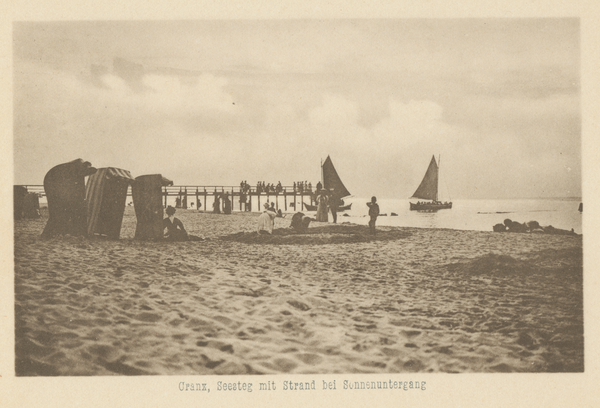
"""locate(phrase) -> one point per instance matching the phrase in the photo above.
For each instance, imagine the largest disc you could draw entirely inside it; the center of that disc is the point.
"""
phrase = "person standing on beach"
(217, 204)
(373, 214)
(322, 213)
(226, 204)
(334, 204)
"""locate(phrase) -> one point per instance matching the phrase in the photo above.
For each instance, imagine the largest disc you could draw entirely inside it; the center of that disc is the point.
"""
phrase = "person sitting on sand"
(534, 226)
(300, 222)
(557, 231)
(266, 220)
(175, 229)
(513, 226)
(499, 228)
(278, 213)
(373, 214)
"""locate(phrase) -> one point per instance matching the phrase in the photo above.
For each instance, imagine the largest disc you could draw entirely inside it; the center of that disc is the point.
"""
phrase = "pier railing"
(245, 195)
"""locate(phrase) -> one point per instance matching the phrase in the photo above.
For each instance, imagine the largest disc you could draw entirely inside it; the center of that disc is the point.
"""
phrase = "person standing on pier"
(373, 214)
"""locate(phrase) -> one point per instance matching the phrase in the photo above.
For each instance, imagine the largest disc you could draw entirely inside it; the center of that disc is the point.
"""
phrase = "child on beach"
(373, 213)
(277, 212)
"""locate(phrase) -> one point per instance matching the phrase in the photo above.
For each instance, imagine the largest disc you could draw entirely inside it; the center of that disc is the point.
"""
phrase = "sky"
(215, 102)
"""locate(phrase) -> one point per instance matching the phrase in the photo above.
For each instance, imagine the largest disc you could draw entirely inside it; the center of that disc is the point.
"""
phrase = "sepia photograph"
(352, 205)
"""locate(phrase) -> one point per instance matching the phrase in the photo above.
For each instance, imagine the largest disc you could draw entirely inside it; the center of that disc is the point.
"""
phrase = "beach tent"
(19, 193)
(26, 205)
(64, 186)
(106, 195)
(147, 201)
(31, 205)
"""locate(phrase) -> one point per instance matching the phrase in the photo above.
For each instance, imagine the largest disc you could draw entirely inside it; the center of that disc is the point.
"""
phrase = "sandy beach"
(334, 300)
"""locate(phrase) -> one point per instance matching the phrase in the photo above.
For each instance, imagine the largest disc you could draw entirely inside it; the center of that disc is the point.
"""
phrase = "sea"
(465, 214)
(472, 214)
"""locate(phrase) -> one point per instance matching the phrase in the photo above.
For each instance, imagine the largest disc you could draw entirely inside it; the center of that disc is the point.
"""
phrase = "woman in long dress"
(322, 213)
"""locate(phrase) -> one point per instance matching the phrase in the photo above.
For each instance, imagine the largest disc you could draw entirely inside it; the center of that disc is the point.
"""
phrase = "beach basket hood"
(64, 186)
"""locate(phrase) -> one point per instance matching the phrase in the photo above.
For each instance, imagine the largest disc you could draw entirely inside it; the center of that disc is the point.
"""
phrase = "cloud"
(498, 99)
(168, 95)
(335, 110)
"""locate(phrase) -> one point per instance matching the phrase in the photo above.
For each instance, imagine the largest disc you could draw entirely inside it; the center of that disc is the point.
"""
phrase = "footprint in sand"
(224, 347)
(105, 352)
(298, 305)
(282, 364)
(309, 358)
(147, 317)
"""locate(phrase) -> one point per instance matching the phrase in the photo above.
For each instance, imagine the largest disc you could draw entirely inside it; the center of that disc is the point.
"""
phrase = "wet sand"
(335, 300)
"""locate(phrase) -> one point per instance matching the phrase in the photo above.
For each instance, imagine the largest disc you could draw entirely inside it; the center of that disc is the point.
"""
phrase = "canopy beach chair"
(147, 201)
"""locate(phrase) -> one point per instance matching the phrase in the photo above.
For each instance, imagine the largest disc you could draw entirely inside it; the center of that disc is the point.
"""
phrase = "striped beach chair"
(106, 195)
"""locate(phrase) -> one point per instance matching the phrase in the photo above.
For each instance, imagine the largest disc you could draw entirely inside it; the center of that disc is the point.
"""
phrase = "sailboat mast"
(438, 186)
(322, 178)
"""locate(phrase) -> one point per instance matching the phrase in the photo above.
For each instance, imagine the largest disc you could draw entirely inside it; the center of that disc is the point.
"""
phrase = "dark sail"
(428, 189)
(332, 181)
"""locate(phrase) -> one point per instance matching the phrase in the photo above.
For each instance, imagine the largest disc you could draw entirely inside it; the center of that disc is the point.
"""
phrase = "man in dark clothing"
(226, 204)
(217, 204)
(334, 204)
(373, 213)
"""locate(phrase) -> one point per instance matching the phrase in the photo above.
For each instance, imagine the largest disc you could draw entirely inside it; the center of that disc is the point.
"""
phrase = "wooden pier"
(242, 199)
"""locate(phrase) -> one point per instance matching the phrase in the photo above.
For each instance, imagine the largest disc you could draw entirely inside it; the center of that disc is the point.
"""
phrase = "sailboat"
(331, 181)
(428, 190)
